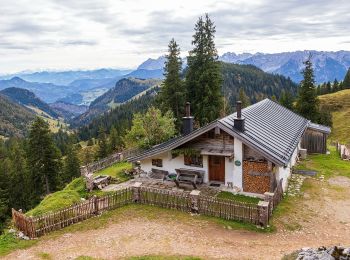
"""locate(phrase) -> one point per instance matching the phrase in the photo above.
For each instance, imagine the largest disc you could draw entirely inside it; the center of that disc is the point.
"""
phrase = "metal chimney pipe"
(188, 109)
(239, 109)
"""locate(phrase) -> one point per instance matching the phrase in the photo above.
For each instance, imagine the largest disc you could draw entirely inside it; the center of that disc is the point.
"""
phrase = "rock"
(11, 231)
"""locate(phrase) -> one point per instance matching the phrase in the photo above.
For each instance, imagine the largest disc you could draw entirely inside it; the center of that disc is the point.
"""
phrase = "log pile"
(256, 177)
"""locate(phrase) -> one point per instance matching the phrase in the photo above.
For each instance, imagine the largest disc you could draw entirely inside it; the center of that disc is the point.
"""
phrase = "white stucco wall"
(285, 172)
(170, 164)
(238, 170)
(233, 173)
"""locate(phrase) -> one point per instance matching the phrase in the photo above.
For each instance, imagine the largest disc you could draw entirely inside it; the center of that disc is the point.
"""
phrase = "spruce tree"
(328, 87)
(115, 141)
(71, 166)
(102, 151)
(287, 100)
(307, 102)
(203, 77)
(173, 92)
(346, 82)
(335, 85)
(43, 159)
(243, 98)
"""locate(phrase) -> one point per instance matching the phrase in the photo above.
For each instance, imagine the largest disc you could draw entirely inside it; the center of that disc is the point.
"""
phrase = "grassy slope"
(116, 170)
(339, 104)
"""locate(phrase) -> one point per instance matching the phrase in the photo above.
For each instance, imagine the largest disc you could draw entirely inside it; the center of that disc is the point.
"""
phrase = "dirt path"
(321, 218)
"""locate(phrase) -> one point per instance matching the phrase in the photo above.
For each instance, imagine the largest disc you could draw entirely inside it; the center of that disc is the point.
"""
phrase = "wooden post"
(263, 207)
(268, 196)
(194, 195)
(136, 192)
(95, 201)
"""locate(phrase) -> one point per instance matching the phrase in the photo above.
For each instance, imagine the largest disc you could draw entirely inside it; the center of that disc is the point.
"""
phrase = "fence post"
(263, 208)
(136, 192)
(95, 201)
(194, 195)
(268, 196)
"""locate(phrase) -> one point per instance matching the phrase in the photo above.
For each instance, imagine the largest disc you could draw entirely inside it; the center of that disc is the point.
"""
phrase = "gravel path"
(324, 220)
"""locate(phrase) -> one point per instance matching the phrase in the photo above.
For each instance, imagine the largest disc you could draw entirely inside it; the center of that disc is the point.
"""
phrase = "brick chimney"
(187, 121)
(239, 120)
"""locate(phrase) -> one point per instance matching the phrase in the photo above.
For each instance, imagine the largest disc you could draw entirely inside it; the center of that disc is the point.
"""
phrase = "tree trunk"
(47, 185)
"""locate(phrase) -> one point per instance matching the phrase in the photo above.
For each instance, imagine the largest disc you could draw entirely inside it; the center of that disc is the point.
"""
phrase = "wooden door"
(216, 168)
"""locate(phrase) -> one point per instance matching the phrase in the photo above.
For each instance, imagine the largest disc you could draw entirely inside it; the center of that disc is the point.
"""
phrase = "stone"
(11, 231)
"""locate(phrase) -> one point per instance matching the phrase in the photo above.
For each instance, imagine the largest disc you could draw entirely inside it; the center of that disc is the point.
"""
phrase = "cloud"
(126, 32)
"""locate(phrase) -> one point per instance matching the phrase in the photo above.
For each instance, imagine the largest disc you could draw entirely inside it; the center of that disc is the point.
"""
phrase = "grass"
(116, 171)
(9, 243)
(329, 165)
(83, 257)
(55, 201)
(339, 105)
(45, 256)
(237, 197)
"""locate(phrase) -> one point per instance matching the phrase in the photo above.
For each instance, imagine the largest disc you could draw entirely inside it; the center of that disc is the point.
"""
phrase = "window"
(157, 162)
(193, 160)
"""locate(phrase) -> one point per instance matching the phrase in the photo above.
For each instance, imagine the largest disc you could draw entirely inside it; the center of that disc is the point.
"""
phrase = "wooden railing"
(188, 202)
(106, 162)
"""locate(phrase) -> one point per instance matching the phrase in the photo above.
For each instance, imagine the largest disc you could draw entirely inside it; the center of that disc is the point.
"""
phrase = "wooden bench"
(189, 176)
(158, 174)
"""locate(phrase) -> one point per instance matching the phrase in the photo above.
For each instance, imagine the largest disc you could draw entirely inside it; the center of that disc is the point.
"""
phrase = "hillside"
(14, 119)
(120, 116)
(124, 90)
(256, 83)
(67, 110)
(27, 98)
(339, 104)
(47, 92)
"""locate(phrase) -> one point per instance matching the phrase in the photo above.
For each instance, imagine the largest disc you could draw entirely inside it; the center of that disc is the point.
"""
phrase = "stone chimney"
(239, 120)
(187, 121)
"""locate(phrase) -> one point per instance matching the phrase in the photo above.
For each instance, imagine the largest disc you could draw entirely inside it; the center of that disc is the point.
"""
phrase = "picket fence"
(210, 206)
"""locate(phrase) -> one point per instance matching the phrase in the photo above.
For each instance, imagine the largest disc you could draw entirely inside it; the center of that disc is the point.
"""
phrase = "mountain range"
(327, 65)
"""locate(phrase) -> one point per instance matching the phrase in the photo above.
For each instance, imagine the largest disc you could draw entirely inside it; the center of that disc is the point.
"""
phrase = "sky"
(89, 34)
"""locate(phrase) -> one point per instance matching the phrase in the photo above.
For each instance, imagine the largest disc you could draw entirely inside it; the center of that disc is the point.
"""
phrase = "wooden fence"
(187, 202)
(108, 161)
(228, 209)
(344, 151)
(41, 225)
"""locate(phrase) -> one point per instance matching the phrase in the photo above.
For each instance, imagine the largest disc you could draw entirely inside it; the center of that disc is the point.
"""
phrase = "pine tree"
(4, 194)
(335, 85)
(43, 159)
(307, 102)
(102, 151)
(71, 168)
(328, 87)
(346, 81)
(173, 92)
(19, 176)
(115, 141)
(243, 98)
(287, 100)
(203, 77)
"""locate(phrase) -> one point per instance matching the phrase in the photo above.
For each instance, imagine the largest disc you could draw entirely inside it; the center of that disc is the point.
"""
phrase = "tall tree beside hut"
(173, 92)
(71, 168)
(43, 159)
(203, 77)
(307, 102)
(102, 150)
